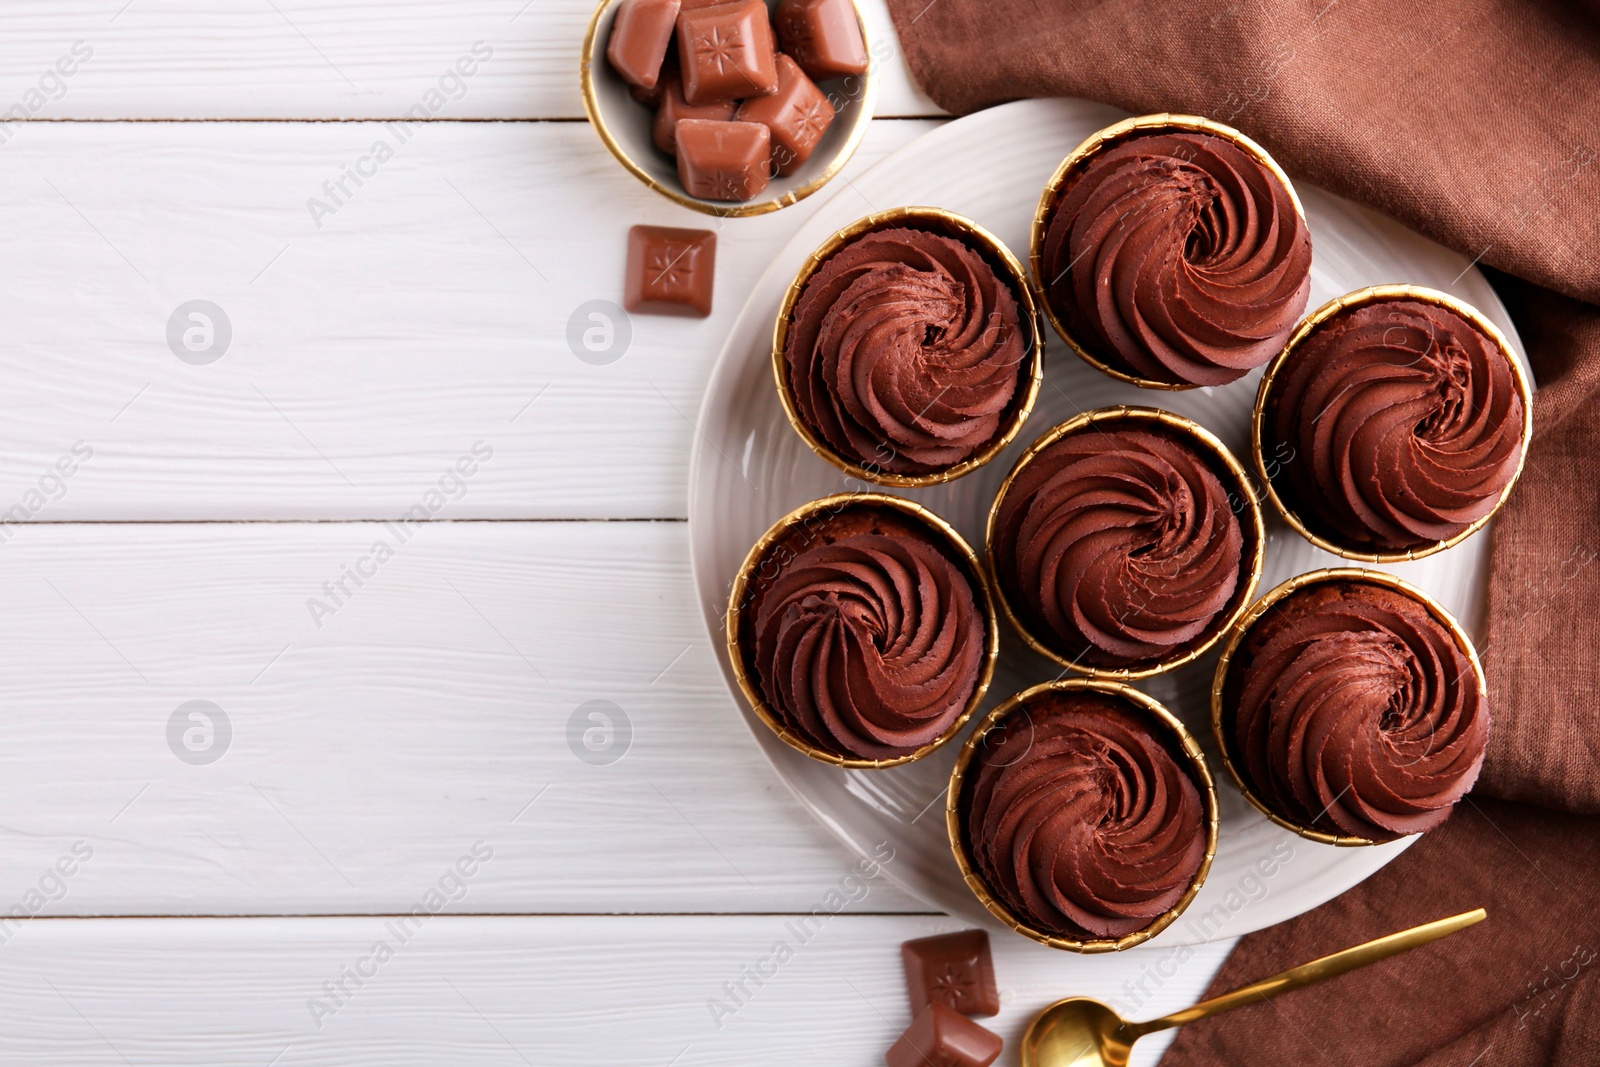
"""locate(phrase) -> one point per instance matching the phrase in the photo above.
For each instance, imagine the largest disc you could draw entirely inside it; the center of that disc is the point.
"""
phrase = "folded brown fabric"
(1471, 121)
(1542, 654)
(1519, 988)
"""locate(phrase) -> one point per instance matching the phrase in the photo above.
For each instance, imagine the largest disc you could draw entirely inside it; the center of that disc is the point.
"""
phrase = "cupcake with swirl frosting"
(1351, 707)
(1085, 814)
(1403, 419)
(1125, 541)
(862, 631)
(908, 351)
(1173, 253)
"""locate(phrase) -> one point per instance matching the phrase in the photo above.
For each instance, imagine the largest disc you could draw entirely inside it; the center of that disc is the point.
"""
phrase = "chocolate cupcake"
(1350, 708)
(1125, 541)
(907, 349)
(861, 631)
(1083, 814)
(1397, 419)
(1172, 252)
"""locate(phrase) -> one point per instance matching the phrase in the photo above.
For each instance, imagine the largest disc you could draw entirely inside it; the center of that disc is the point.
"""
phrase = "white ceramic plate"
(749, 468)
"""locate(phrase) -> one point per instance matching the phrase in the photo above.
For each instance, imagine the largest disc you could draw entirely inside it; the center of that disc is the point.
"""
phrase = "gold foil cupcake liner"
(594, 64)
(1076, 161)
(1199, 772)
(948, 224)
(1375, 294)
(815, 515)
(1242, 493)
(1242, 629)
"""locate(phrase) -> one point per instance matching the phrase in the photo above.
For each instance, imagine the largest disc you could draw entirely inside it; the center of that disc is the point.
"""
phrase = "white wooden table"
(231, 911)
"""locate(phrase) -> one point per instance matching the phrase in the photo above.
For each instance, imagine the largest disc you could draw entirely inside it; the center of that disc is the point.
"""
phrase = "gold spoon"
(1081, 1032)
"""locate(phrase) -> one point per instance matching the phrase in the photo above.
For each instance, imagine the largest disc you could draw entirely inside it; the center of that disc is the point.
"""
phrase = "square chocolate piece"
(669, 271)
(955, 970)
(727, 52)
(674, 109)
(797, 116)
(640, 34)
(723, 160)
(943, 1037)
(823, 36)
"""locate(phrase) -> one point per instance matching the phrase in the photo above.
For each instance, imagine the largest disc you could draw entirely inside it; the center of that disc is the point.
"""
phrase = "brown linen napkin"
(1521, 988)
(1473, 121)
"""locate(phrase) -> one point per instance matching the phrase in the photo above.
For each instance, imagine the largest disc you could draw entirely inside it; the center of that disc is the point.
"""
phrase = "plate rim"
(712, 615)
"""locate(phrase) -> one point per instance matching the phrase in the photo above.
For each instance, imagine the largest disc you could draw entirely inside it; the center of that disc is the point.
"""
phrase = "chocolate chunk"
(669, 271)
(652, 96)
(823, 36)
(955, 970)
(727, 52)
(639, 37)
(723, 160)
(942, 1037)
(797, 115)
(675, 109)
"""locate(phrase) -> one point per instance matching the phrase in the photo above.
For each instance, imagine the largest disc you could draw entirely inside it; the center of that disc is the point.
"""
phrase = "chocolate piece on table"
(942, 1037)
(675, 109)
(669, 271)
(823, 36)
(727, 52)
(723, 160)
(797, 114)
(953, 969)
(640, 34)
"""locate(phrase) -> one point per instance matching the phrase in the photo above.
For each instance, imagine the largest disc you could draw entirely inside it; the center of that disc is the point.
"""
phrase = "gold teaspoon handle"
(1308, 974)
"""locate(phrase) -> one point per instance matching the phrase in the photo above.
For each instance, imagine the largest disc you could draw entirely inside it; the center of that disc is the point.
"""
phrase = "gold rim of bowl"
(1376, 294)
(1242, 629)
(1251, 525)
(1199, 772)
(594, 57)
(996, 254)
(1077, 160)
(835, 505)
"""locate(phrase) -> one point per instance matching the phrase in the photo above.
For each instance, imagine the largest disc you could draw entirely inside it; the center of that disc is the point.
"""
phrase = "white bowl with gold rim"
(624, 126)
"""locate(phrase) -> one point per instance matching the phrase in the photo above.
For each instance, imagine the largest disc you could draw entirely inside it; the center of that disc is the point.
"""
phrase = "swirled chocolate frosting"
(1350, 709)
(1116, 545)
(1403, 425)
(905, 351)
(1080, 820)
(866, 637)
(1178, 258)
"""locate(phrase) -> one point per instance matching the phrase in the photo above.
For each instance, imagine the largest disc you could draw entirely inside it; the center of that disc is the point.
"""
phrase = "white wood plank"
(429, 312)
(326, 60)
(604, 992)
(431, 710)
